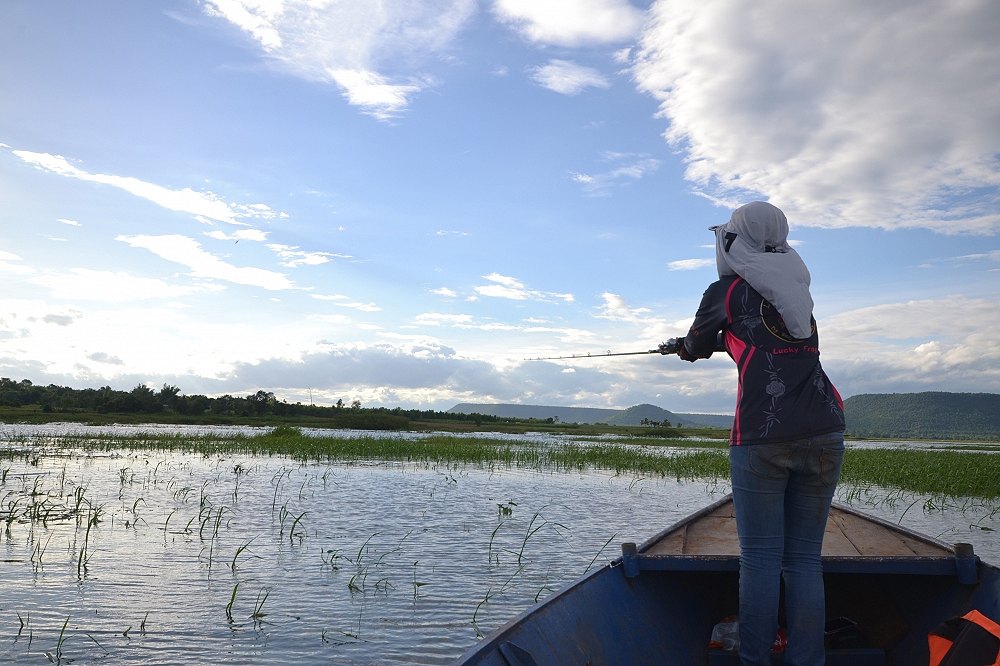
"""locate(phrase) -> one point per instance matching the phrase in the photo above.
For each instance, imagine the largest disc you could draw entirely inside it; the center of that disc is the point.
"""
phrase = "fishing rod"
(671, 346)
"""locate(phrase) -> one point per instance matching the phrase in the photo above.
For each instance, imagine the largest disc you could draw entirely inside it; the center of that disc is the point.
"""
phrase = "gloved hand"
(671, 346)
(682, 352)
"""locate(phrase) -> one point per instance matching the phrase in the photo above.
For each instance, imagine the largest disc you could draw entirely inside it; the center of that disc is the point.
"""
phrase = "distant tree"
(168, 396)
(224, 404)
(143, 399)
(356, 404)
(260, 402)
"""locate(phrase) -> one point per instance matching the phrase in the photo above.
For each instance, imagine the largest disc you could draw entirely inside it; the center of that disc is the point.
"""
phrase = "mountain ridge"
(925, 415)
(631, 416)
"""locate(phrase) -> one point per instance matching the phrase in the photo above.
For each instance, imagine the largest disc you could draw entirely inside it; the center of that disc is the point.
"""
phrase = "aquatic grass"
(57, 658)
(533, 529)
(950, 472)
(165, 523)
(258, 609)
(232, 600)
(932, 472)
(331, 557)
(98, 644)
(291, 531)
(232, 565)
(416, 583)
(84, 556)
(434, 450)
(598, 554)
(38, 552)
(490, 593)
(25, 622)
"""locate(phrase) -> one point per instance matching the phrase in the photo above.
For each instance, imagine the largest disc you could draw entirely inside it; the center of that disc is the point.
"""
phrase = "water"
(349, 564)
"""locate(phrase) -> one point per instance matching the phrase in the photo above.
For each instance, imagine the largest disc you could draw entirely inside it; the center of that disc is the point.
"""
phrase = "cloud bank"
(850, 114)
(205, 205)
(351, 44)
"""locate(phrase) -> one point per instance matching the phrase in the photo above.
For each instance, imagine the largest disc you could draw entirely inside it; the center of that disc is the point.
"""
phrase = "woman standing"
(787, 440)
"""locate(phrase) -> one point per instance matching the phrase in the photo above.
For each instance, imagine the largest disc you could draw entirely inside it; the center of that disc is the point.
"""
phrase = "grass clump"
(951, 473)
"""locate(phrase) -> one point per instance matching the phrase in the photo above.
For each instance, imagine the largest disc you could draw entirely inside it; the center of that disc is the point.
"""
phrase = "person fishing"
(787, 438)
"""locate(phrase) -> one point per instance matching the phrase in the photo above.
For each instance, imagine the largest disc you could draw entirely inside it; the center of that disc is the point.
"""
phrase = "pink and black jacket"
(783, 393)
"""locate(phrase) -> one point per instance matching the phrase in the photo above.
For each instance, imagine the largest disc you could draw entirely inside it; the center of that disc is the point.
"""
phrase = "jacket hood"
(754, 245)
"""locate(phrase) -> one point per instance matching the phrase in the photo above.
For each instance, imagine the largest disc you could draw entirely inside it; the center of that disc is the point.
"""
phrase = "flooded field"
(184, 558)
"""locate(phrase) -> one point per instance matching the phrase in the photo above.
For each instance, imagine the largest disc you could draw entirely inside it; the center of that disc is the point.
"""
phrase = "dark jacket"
(783, 393)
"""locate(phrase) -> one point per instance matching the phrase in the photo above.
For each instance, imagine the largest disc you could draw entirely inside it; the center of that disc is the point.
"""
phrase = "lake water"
(375, 563)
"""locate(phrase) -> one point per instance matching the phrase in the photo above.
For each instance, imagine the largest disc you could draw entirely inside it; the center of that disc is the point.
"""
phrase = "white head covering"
(753, 245)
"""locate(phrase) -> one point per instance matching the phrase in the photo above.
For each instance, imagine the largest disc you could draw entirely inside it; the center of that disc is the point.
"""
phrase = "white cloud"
(915, 320)
(624, 168)
(81, 284)
(292, 256)
(373, 92)
(352, 43)
(568, 78)
(103, 357)
(690, 264)
(445, 291)
(346, 302)
(616, 309)
(438, 318)
(991, 256)
(932, 344)
(253, 16)
(10, 263)
(155, 344)
(188, 252)
(238, 235)
(571, 22)
(513, 289)
(61, 319)
(884, 119)
(200, 204)
(68, 222)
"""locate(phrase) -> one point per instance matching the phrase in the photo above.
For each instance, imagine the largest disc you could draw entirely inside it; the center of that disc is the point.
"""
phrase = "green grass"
(948, 473)
(934, 472)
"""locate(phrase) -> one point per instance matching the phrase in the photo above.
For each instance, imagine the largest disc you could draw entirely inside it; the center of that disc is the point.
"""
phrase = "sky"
(399, 202)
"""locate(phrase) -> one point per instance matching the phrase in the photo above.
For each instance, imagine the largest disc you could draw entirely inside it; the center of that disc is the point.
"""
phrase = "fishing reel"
(671, 346)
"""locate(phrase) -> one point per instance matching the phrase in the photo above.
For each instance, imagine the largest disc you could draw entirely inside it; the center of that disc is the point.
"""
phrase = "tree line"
(927, 415)
(168, 399)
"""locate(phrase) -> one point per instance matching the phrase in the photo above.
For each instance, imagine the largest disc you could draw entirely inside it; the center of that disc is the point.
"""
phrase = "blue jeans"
(782, 494)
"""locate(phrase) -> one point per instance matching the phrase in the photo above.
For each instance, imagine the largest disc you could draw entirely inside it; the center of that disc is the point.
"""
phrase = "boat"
(887, 587)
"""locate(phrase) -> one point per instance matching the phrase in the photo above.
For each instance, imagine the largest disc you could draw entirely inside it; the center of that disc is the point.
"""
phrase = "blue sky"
(398, 202)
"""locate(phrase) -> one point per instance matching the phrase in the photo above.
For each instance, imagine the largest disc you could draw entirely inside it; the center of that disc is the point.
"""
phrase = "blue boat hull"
(664, 610)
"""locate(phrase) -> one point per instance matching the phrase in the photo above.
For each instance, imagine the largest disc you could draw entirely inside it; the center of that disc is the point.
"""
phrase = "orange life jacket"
(970, 640)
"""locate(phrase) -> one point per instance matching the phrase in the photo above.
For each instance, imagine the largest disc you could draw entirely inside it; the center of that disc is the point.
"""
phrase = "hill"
(632, 416)
(930, 415)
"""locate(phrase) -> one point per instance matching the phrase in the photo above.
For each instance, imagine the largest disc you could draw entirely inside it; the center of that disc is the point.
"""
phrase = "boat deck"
(848, 534)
